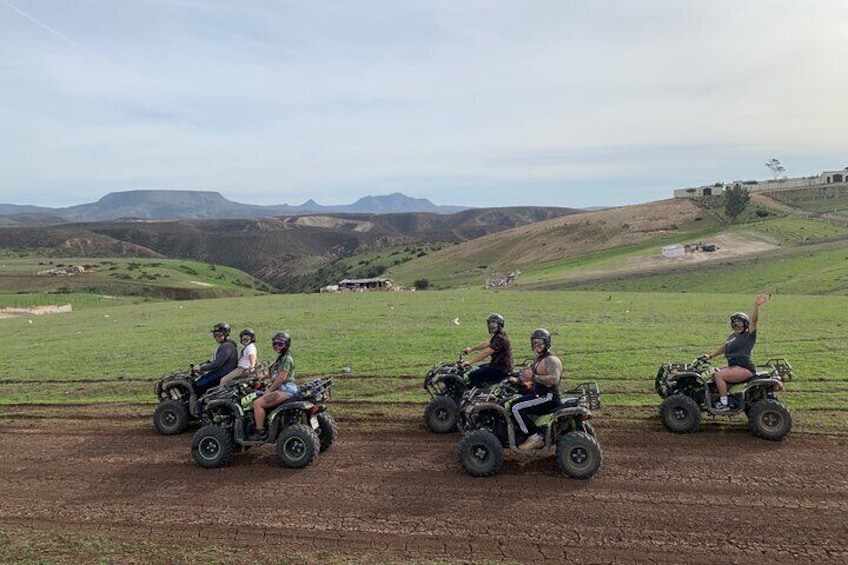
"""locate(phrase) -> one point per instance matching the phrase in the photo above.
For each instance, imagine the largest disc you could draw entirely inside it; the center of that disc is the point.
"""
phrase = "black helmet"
(495, 319)
(222, 328)
(283, 339)
(746, 321)
(247, 332)
(542, 334)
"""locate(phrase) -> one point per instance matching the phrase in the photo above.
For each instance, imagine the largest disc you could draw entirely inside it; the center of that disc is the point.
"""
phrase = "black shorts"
(744, 363)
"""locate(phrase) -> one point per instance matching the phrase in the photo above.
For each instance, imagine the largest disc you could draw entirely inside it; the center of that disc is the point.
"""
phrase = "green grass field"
(388, 341)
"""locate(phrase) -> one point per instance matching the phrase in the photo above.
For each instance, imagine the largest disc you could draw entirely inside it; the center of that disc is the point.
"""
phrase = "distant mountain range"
(203, 205)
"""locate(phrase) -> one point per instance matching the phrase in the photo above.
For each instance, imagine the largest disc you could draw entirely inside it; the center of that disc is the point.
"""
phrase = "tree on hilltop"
(775, 167)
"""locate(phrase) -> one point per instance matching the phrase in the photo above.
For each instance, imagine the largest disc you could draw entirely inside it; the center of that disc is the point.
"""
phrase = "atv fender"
(276, 419)
(217, 405)
(166, 384)
(771, 383)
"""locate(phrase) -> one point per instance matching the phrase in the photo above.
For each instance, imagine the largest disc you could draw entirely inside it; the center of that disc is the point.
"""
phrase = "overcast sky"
(468, 102)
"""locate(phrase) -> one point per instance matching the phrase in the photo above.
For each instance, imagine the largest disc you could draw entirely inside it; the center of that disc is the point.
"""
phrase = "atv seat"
(569, 402)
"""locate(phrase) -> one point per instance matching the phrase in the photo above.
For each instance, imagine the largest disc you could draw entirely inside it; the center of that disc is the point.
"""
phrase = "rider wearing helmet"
(543, 375)
(247, 360)
(737, 349)
(282, 386)
(224, 360)
(500, 350)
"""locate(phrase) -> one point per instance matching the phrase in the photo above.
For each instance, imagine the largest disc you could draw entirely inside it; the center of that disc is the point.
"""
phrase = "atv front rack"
(433, 381)
(588, 394)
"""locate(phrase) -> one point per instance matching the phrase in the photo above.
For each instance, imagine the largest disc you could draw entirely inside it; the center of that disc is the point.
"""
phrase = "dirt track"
(384, 494)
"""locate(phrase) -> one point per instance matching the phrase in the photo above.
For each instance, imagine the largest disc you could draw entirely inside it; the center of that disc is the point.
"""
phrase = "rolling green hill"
(793, 241)
(33, 281)
(621, 250)
(291, 253)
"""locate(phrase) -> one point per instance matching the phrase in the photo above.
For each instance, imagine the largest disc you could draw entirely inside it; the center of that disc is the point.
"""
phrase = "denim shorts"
(288, 388)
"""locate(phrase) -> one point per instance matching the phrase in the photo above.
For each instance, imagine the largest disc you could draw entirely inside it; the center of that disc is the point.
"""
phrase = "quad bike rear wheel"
(212, 446)
(170, 417)
(297, 446)
(770, 419)
(327, 431)
(480, 453)
(680, 414)
(442, 415)
(578, 455)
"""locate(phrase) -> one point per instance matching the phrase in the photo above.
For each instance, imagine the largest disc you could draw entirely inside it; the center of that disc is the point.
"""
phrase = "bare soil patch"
(35, 310)
(396, 492)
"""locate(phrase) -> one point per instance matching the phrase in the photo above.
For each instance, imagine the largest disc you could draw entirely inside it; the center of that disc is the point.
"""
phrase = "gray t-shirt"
(738, 347)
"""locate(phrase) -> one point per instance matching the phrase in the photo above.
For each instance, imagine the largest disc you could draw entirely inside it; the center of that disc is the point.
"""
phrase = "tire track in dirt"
(400, 493)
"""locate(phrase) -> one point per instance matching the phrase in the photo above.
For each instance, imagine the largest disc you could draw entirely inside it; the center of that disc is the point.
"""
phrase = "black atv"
(491, 429)
(687, 389)
(300, 426)
(446, 382)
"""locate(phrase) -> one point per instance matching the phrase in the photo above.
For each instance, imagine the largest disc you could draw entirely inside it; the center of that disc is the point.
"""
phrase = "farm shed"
(366, 284)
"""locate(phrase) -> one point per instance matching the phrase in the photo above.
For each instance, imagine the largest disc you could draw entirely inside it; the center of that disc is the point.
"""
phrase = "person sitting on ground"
(498, 347)
(543, 375)
(282, 387)
(224, 360)
(247, 361)
(737, 349)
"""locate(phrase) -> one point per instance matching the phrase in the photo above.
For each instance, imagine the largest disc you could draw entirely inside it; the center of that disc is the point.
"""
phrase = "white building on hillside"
(830, 177)
(825, 178)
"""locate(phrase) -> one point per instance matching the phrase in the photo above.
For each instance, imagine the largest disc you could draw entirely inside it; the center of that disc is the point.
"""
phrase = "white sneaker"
(533, 442)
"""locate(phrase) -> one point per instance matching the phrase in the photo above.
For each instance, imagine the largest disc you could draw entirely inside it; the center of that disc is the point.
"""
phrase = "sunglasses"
(536, 342)
(278, 343)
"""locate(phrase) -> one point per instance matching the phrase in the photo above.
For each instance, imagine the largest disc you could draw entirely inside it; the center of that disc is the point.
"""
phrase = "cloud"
(285, 101)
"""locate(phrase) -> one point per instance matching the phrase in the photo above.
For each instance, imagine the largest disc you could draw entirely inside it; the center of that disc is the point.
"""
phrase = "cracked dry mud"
(719, 496)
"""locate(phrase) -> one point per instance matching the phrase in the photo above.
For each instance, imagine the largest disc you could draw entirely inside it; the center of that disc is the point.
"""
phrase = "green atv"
(178, 404)
(446, 383)
(300, 427)
(687, 389)
(490, 430)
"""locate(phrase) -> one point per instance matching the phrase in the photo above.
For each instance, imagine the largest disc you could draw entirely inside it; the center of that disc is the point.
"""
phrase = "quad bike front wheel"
(578, 455)
(327, 431)
(480, 453)
(680, 414)
(297, 446)
(212, 446)
(170, 417)
(442, 415)
(770, 419)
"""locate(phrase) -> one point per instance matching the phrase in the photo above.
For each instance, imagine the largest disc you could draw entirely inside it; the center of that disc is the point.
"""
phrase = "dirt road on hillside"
(385, 494)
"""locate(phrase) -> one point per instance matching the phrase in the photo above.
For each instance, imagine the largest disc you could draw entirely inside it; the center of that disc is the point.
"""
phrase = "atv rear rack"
(588, 393)
(780, 367)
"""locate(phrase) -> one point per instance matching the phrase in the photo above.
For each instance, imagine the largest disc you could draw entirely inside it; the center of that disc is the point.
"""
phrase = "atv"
(178, 400)
(490, 430)
(300, 426)
(687, 389)
(445, 382)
